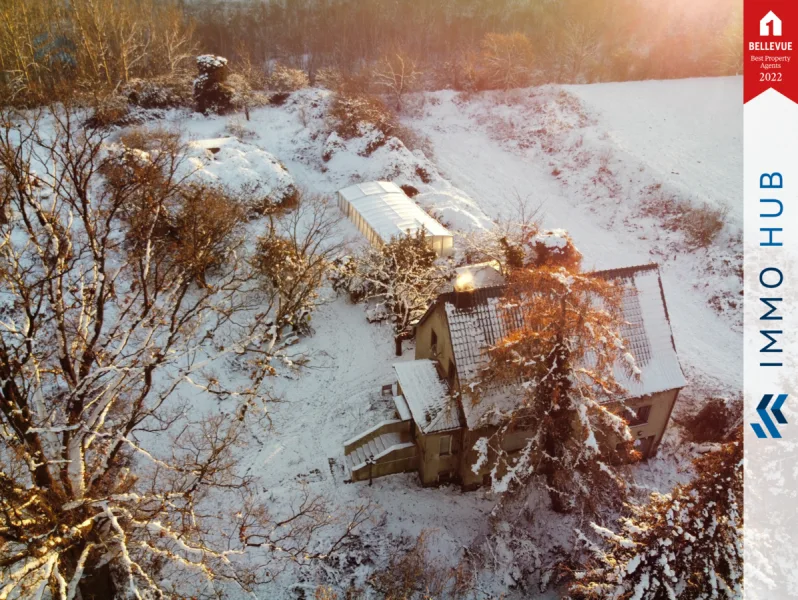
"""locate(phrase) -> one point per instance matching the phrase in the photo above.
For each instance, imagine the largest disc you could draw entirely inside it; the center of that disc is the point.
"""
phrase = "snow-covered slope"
(587, 155)
(688, 131)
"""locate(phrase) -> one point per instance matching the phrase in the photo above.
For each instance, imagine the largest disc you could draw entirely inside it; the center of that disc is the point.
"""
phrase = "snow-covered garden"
(274, 389)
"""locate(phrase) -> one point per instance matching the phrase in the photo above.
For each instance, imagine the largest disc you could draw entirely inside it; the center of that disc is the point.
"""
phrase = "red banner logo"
(769, 37)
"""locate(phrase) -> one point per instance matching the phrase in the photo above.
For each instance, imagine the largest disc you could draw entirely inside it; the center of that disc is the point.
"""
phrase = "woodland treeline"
(49, 48)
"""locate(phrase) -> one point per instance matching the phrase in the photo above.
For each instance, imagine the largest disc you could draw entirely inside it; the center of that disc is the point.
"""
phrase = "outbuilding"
(382, 211)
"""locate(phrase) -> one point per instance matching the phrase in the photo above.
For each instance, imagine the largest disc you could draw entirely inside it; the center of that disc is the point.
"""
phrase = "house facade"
(439, 420)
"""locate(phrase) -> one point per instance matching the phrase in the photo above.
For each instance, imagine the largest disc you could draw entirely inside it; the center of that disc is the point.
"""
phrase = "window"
(450, 374)
(446, 445)
(433, 342)
(641, 415)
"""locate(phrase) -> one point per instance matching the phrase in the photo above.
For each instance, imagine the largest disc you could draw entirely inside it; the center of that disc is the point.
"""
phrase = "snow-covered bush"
(686, 544)
(293, 258)
(211, 91)
(111, 110)
(414, 574)
(207, 229)
(700, 223)
(555, 248)
(329, 78)
(162, 92)
(401, 277)
(351, 115)
(287, 80)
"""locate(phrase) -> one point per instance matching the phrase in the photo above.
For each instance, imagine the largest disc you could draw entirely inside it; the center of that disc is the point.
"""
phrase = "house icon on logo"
(765, 27)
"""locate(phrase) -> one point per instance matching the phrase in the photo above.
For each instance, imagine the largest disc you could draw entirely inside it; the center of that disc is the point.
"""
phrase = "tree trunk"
(97, 584)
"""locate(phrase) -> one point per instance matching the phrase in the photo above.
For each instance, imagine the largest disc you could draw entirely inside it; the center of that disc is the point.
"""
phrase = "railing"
(396, 459)
(394, 426)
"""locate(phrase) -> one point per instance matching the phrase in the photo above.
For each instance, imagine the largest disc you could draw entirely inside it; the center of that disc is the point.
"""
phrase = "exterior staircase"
(388, 446)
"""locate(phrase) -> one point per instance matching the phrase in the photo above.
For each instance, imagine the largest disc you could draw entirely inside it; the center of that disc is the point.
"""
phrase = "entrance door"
(647, 445)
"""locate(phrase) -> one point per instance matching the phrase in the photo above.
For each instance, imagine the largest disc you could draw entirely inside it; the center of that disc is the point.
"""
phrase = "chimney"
(464, 290)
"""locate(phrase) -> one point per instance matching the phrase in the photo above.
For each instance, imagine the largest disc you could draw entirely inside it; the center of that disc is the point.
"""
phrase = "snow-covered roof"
(477, 276)
(388, 210)
(483, 321)
(237, 166)
(402, 408)
(427, 396)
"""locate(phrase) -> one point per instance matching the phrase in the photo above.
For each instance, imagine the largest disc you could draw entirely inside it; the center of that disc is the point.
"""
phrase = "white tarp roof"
(388, 210)
(427, 395)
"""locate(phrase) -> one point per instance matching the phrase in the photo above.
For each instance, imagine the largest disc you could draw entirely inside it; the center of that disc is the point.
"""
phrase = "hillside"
(487, 150)
(616, 165)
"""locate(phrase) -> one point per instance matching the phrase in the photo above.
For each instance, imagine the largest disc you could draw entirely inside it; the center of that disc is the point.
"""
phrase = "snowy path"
(471, 160)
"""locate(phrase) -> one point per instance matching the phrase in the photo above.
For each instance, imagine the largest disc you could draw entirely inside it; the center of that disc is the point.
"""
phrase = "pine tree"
(565, 356)
(686, 544)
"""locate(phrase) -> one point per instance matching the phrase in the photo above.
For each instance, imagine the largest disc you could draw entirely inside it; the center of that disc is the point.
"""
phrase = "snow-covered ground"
(688, 132)
(555, 148)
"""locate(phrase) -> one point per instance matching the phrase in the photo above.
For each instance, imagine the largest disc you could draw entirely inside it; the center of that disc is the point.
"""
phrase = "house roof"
(484, 320)
(388, 210)
(427, 396)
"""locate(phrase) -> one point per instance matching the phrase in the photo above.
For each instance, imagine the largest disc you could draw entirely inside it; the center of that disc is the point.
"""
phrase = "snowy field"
(687, 132)
(554, 149)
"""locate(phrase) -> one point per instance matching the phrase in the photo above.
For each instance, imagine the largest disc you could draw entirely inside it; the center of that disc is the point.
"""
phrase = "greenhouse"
(382, 211)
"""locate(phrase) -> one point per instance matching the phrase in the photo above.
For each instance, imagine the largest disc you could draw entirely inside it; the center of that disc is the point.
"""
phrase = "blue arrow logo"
(762, 411)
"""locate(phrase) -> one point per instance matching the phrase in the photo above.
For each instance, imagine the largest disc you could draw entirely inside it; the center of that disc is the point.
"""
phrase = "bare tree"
(580, 46)
(95, 344)
(396, 75)
(508, 59)
(293, 258)
(400, 279)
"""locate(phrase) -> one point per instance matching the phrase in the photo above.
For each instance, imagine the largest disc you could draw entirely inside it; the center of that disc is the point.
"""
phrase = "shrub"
(329, 78)
(293, 257)
(211, 91)
(161, 92)
(414, 574)
(411, 191)
(413, 140)
(140, 169)
(286, 79)
(702, 224)
(349, 113)
(713, 422)
(555, 248)
(236, 128)
(109, 111)
(205, 230)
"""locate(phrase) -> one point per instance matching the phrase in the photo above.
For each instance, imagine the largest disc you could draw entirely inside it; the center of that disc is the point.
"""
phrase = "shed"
(382, 211)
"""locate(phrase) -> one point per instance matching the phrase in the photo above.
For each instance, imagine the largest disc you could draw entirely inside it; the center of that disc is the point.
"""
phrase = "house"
(382, 211)
(437, 422)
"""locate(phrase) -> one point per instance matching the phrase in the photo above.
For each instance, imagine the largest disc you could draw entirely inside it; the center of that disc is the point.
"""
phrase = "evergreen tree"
(564, 356)
(686, 544)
